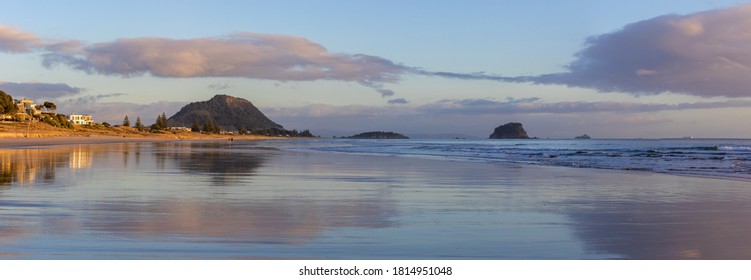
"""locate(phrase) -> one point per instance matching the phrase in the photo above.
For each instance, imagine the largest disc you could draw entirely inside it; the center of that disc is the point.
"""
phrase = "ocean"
(721, 158)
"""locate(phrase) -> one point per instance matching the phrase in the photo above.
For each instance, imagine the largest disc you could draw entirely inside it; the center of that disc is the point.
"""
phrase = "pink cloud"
(245, 55)
(13, 40)
(704, 54)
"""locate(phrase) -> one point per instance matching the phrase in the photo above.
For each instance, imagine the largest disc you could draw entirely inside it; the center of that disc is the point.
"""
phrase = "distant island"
(512, 130)
(583, 137)
(378, 135)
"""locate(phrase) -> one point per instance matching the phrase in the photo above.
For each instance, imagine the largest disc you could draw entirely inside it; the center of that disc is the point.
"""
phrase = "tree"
(207, 127)
(7, 106)
(139, 125)
(126, 121)
(195, 127)
(50, 106)
(161, 122)
(211, 127)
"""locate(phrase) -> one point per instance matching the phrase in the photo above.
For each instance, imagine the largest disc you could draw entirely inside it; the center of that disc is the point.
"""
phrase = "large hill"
(227, 112)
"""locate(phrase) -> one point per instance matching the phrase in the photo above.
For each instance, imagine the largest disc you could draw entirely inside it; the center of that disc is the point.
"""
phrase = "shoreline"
(14, 135)
(31, 142)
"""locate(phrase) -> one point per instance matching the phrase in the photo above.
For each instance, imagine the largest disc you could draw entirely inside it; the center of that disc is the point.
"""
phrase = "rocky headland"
(511, 130)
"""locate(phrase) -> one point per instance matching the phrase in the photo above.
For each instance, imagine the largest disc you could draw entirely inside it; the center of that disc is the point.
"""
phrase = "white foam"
(734, 148)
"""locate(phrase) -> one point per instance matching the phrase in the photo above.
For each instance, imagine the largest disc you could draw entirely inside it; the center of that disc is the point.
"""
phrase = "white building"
(81, 119)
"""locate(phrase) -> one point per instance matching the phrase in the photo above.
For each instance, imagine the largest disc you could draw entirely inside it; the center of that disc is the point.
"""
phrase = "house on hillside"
(81, 119)
(180, 128)
(27, 107)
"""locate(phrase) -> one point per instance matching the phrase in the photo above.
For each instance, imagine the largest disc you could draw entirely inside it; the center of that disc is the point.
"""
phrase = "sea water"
(722, 158)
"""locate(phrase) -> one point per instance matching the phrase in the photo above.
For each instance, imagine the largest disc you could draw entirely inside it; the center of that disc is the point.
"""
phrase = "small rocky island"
(378, 135)
(509, 131)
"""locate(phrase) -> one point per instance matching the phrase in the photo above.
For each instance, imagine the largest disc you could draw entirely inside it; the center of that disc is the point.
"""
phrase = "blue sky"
(416, 67)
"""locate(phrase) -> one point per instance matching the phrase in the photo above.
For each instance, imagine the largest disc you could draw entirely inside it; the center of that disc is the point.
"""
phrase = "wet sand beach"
(250, 200)
(20, 142)
(16, 135)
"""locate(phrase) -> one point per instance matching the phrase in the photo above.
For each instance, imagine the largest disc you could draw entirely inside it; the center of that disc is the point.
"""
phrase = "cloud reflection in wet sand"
(688, 230)
(654, 216)
(278, 221)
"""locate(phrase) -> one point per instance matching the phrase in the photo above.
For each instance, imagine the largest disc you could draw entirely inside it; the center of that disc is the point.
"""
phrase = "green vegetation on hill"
(225, 112)
(7, 106)
(59, 120)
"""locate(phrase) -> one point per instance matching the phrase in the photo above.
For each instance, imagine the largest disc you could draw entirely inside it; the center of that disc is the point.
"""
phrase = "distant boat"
(688, 137)
(583, 137)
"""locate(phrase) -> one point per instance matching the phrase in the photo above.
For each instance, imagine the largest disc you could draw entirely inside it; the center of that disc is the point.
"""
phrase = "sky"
(610, 69)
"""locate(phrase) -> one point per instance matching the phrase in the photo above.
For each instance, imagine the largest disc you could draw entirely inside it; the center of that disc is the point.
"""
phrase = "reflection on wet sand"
(25, 167)
(9, 233)
(654, 216)
(173, 202)
(223, 162)
(689, 230)
(163, 200)
(248, 215)
(278, 221)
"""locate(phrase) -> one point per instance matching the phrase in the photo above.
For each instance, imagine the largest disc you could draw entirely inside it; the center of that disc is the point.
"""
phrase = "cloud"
(239, 55)
(13, 40)
(704, 54)
(469, 107)
(218, 86)
(385, 92)
(469, 76)
(535, 106)
(244, 55)
(39, 90)
(398, 101)
(326, 110)
(92, 98)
